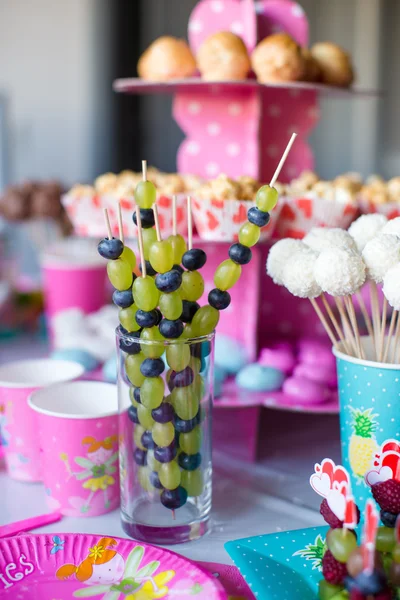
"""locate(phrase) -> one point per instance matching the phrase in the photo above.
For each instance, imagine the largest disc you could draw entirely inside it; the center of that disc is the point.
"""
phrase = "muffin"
(312, 71)
(335, 64)
(278, 58)
(223, 56)
(167, 58)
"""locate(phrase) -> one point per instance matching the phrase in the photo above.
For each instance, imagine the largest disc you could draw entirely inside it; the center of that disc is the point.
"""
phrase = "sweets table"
(270, 495)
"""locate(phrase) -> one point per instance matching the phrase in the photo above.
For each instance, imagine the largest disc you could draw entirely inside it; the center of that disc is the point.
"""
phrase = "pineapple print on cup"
(362, 443)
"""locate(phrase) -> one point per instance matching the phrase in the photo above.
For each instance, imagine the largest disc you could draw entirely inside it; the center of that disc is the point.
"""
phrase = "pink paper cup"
(77, 426)
(17, 422)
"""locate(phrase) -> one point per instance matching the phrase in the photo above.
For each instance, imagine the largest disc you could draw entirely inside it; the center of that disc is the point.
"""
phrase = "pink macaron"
(306, 391)
(279, 357)
(316, 353)
(318, 373)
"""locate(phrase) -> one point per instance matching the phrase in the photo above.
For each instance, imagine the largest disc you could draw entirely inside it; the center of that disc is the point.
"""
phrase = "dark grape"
(147, 440)
(164, 413)
(189, 462)
(140, 457)
(132, 414)
(155, 480)
(174, 499)
(165, 454)
(182, 378)
(189, 310)
(182, 426)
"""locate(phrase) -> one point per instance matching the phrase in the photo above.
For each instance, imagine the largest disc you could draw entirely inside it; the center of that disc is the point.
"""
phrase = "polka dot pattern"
(276, 567)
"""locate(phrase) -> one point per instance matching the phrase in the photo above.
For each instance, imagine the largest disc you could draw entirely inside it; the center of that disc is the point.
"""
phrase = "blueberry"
(258, 217)
(129, 344)
(140, 457)
(182, 426)
(136, 395)
(174, 499)
(159, 316)
(240, 254)
(152, 367)
(169, 281)
(147, 441)
(194, 259)
(155, 480)
(369, 584)
(163, 413)
(146, 318)
(121, 330)
(189, 310)
(388, 519)
(219, 299)
(182, 378)
(123, 299)
(165, 454)
(178, 268)
(171, 329)
(200, 350)
(189, 462)
(132, 414)
(146, 217)
(111, 249)
(149, 269)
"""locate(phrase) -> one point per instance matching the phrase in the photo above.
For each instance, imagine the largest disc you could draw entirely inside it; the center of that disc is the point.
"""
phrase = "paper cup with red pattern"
(391, 210)
(86, 213)
(300, 214)
(220, 220)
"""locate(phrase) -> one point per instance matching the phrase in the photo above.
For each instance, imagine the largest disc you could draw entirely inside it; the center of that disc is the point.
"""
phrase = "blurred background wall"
(58, 60)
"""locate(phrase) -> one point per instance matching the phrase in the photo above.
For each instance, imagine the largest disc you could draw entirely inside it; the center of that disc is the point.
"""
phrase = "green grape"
(152, 462)
(137, 437)
(145, 194)
(129, 256)
(127, 318)
(178, 356)
(396, 553)
(192, 481)
(328, 591)
(205, 320)
(341, 542)
(191, 442)
(152, 392)
(267, 198)
(185, 402)
(170, 475)
(178, 247)
(199, 386)
(192, 287)
(163, 434)
(134, 403)
(161, 256)
(132, 368)
(195, 364)
(249, 234)
(226, 276)
(385, 539)
(145, 293)
(153, 350)
(144, 416)
(188, 332)
(144, 480)
(120, 274)
(171, 305)
(149, 237)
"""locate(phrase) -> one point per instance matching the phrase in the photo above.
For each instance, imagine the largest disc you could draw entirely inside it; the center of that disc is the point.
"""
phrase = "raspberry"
(333, 571)
(329, 516)
(387, 495)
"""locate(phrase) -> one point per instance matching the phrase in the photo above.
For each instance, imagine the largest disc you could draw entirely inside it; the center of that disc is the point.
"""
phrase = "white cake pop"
(365, 228)
(381, 254)
(392, 226)
(298, 274)
(339, 271)
(278, 256)
(391, 287)
(320, 238)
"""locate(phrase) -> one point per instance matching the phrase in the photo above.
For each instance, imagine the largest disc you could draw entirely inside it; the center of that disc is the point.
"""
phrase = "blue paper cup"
(369, 399)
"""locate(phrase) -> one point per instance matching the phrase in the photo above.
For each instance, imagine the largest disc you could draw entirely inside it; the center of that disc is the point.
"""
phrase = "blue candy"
(229, 354)
(258, 378)
(110, 370)
(88, 362)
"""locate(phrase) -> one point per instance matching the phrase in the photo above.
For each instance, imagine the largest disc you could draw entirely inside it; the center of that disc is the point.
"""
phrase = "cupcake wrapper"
(391, 210)
(300, 214)
(87, 214)
(220, 220)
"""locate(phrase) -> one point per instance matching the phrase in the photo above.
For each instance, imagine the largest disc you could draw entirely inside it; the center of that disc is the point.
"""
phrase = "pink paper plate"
(66, 566)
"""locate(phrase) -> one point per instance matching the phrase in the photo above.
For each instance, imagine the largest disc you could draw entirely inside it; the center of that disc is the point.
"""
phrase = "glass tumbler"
(165, 392)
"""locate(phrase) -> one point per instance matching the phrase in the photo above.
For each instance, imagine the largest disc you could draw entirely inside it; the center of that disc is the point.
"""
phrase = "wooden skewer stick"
(140, 240)
(336, 325)
(366, 316)
(144, 170)
(173, 515)
(346, 326)
(382, 328)
(283, 159)
(353, 320)
(174, 227)
(396, 340)
(324, 322)
(157, 222)
(108, 224)
(375, 314)
(390, 335)
(190, 223)
(120, 224)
